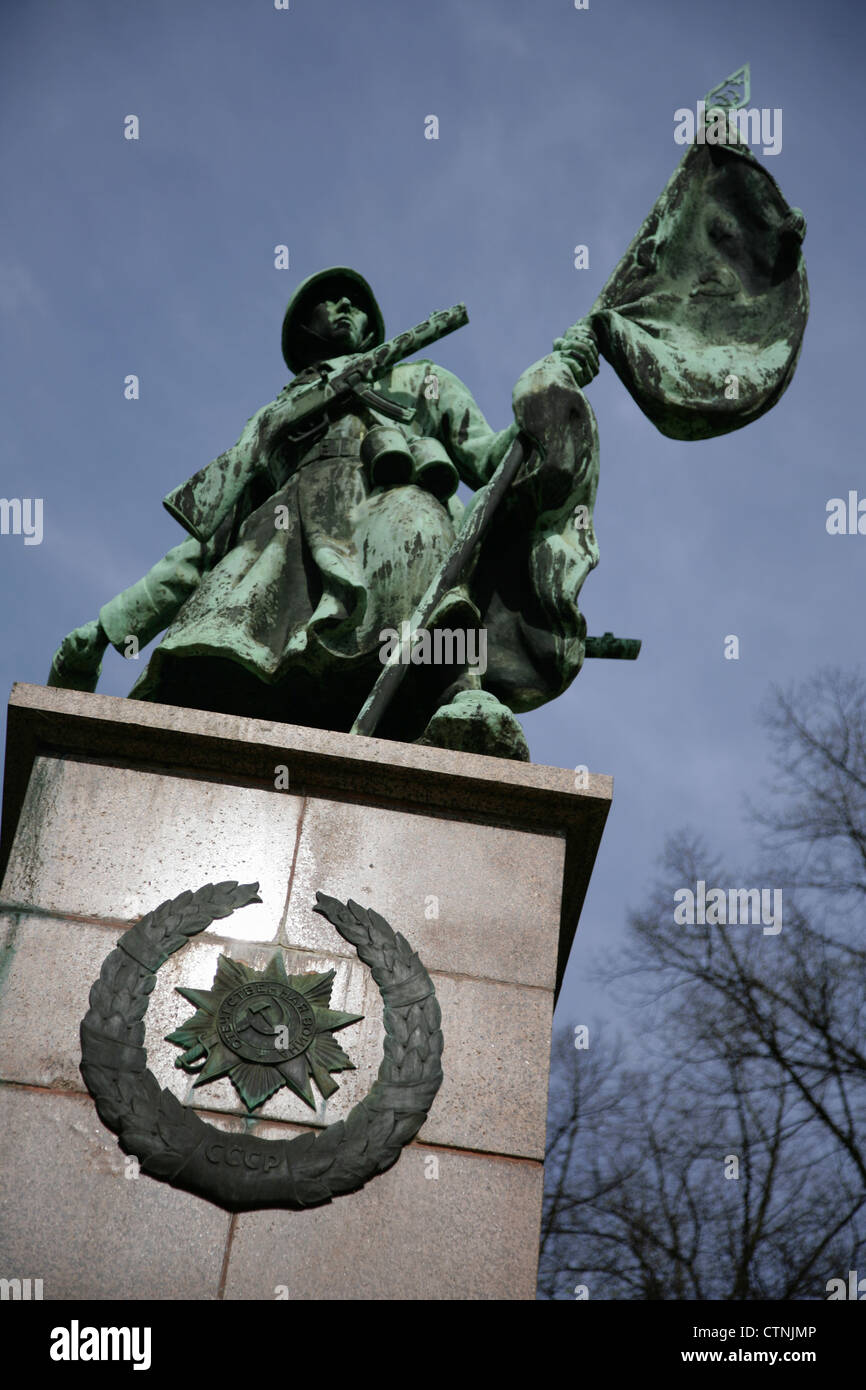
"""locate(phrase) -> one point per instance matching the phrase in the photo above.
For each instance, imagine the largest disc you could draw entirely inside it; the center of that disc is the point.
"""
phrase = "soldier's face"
(341, 323)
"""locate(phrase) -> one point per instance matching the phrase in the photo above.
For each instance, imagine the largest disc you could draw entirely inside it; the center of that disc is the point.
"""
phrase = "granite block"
(439, 1225)
(114, 842)
(70, 1216)
(474, 899)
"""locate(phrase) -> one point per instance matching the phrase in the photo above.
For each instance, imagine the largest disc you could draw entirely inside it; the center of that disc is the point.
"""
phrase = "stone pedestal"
(112, 806)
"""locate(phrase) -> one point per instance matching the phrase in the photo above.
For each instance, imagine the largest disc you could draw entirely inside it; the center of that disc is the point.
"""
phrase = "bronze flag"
(703, 318)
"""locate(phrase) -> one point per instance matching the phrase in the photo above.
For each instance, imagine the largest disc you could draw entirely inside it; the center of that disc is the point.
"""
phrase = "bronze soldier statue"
(277, 605)
(307, 546)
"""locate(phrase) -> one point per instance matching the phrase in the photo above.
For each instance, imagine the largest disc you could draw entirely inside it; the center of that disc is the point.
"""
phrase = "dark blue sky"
(306, 127)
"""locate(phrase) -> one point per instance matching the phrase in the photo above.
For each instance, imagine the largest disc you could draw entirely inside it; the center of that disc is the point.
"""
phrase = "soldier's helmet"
(299, 347)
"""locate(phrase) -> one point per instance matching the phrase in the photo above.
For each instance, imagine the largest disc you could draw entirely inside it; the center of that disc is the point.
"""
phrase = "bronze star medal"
(264, 1029)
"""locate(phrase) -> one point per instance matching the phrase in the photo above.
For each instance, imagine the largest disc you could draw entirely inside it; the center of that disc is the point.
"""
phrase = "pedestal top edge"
(121, 722)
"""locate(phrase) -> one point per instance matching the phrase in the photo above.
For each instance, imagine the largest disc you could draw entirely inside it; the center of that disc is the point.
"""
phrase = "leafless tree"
(727, 1158)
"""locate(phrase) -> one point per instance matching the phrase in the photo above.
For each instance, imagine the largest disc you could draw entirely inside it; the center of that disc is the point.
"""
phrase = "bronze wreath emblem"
(239, 1171)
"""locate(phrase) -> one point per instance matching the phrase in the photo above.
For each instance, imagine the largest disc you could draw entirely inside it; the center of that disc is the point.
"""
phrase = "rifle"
(307, 412)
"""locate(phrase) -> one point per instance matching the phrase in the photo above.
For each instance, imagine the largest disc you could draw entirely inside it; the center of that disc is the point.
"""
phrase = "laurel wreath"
(241, 1171)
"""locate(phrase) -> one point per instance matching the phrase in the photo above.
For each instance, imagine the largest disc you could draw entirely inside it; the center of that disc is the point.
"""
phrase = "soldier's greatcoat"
(295, 563)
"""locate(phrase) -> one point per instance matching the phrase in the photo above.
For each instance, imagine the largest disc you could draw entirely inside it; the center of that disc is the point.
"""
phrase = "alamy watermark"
(77, 1343)
(719, 907)
(20, 1289)
(854, 1289)
(846, 519)
(442, 647)
(722, 125)
(22, 516)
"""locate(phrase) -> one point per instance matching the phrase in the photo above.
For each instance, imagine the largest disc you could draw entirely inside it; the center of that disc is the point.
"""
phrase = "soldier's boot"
(474, 721)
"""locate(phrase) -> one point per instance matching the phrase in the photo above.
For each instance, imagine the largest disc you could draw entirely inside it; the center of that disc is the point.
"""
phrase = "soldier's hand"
(579, 348)
(78, 660)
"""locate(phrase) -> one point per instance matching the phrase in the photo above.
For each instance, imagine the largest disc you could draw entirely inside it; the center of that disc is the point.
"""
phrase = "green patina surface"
(303, 547)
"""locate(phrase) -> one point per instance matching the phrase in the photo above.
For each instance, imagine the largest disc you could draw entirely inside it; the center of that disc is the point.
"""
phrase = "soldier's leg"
(530, 571)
